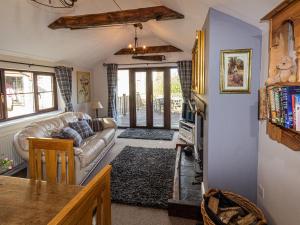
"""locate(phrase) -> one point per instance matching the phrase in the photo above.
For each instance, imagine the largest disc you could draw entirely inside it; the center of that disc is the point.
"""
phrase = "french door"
(149, 98)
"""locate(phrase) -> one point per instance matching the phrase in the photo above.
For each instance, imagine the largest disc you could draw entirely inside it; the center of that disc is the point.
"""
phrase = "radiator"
(7, 149)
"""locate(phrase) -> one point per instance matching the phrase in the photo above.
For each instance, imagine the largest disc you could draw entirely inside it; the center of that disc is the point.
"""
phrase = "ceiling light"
(58, 4)
(136, 43)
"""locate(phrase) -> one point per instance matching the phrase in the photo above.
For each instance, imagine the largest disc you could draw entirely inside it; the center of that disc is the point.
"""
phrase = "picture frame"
(198, 64)
(235, 71)
(83, 87)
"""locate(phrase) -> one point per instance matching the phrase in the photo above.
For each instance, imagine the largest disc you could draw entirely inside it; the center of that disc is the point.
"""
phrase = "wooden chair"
(54, 152)
(93, 200)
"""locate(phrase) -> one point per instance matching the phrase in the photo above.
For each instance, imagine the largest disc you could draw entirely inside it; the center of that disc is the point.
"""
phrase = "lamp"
(97, 105)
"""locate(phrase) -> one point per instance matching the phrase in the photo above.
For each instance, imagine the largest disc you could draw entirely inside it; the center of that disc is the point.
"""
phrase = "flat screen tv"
(187, 113)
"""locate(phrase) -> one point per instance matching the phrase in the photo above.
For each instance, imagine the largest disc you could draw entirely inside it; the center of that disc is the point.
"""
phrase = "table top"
(30, 202)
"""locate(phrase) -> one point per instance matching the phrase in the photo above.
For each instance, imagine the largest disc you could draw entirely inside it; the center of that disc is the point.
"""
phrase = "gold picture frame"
(198, 70)
(235, 71)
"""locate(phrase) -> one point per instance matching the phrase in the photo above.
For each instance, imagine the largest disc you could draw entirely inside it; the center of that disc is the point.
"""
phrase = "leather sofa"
(87, 155)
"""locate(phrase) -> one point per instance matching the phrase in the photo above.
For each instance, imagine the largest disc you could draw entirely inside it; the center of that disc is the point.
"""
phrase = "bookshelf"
(284, 42)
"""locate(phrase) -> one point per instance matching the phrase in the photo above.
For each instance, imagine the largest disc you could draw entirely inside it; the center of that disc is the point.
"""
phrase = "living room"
(176, 109)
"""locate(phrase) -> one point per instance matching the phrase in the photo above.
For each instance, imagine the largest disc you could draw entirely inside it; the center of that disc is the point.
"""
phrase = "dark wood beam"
(150, 57)
(130, 16)
(149, 50)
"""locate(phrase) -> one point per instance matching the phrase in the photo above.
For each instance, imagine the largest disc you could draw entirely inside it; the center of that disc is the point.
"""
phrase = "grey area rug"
(148, 134)
(143, 176)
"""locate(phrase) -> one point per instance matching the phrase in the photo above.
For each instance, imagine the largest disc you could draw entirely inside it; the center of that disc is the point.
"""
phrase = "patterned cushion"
(58, 134)
(95, 124)
(69, 133)
(83, 128)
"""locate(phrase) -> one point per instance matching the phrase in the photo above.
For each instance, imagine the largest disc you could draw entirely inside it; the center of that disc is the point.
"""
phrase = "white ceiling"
(24, 30)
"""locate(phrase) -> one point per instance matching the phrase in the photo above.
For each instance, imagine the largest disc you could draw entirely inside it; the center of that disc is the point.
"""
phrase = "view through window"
(26, 93)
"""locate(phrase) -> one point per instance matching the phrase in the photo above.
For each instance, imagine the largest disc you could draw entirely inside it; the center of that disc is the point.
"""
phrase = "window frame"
(3, 102)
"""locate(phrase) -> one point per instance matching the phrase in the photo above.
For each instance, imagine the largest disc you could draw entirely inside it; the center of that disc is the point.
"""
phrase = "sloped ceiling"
(24, 30)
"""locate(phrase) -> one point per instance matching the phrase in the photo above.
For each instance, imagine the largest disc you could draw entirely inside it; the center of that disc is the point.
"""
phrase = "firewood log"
(247, 220)
(226, 216)
(213, 204)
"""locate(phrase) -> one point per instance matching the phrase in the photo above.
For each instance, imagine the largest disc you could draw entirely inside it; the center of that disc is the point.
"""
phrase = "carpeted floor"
(133, 215)
(147, 134)
(143, 176)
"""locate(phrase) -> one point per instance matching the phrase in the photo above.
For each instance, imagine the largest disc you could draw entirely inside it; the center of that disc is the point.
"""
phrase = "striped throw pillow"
(96, 124)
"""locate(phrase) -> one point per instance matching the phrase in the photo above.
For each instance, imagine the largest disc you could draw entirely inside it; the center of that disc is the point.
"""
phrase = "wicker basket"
(243, 202)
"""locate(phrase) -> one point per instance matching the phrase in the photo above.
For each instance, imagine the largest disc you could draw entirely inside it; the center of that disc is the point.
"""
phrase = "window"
(26, 93)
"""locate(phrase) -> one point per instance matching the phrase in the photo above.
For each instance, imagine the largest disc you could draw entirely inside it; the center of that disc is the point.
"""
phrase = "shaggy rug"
(143, 176)
(148, 134)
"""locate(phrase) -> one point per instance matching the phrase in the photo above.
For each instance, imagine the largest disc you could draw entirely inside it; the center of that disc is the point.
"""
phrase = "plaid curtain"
(64, 80)
(112, 80)
(185, 75)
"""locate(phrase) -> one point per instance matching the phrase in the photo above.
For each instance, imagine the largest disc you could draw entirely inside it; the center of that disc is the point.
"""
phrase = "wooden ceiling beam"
(158, 58)
(130, 16)
(149, 50)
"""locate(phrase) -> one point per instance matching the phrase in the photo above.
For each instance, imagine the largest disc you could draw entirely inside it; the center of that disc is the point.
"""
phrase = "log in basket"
(238, 200)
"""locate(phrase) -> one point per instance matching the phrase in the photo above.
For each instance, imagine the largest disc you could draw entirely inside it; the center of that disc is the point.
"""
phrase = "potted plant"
(5, 164)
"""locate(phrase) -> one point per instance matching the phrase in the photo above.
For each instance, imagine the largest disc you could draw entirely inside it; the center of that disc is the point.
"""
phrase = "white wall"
(278, 171)
(100, 92)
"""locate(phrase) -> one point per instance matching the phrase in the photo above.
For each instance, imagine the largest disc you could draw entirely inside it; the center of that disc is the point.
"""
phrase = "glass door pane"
(140, 98)
(158, 98)
(123, 98)
(176, 98)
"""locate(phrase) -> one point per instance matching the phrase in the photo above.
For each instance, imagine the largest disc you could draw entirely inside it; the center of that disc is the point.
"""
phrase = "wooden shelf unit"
(284, 16)
(285, 136)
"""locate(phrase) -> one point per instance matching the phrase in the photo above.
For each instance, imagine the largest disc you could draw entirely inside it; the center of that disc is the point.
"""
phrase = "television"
(187, 113)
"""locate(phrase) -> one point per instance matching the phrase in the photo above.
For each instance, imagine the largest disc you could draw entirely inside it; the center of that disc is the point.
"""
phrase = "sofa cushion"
(95, 124)
(50, 125)
(90, 149)
(83, 128)
(107, 135)
(70, 117)
(69, 133)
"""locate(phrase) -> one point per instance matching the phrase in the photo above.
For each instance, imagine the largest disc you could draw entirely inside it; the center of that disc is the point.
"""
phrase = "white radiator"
(7, 132)
(7, 149)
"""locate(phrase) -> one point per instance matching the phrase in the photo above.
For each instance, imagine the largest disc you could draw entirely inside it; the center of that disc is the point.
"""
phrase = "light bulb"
(130, 46)
(144, 47)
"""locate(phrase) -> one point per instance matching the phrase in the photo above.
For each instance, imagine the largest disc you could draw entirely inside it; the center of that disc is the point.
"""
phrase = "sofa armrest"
(109, 123)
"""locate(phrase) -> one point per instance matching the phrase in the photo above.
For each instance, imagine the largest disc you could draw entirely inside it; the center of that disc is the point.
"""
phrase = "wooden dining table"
(31, 202)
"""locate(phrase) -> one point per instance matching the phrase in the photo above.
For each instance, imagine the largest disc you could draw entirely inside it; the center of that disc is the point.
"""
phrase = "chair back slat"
(63, 163)
(48, 154)
(92, 203)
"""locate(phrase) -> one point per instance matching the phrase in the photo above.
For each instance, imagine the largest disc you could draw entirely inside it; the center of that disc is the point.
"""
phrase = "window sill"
(29, 119)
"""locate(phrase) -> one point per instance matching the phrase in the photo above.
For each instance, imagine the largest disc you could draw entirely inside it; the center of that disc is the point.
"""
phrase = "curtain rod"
(28, 64)
(133, 64)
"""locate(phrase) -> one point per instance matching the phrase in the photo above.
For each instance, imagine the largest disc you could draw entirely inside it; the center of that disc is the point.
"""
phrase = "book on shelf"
(284, 104)
(297, 111)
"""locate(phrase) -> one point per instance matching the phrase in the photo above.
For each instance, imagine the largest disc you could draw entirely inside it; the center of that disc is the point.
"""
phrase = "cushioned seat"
(90, 149)
(107, 135)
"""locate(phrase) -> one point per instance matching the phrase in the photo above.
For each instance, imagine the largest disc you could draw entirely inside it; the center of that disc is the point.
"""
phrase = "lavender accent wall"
(231, 128)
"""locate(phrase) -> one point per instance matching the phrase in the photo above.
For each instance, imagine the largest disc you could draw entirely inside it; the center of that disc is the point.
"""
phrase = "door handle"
(2, 98)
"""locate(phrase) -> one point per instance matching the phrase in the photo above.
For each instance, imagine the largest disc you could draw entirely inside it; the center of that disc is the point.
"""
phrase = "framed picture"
(198, 71)
(83, 87)
(235, 71)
